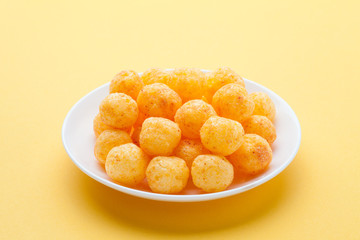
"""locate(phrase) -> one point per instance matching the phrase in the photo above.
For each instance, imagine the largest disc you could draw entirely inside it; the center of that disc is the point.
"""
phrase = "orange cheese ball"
(155, 75)
(118, 110)
(253, 156)
(189, 149)
(127, 82)
(127, 164)
(232, 101)
(192, 115)
(219, 78)
(167, 174)
(135, 135)
(221, 135)
(159, 136)
(264, 106)
(188, 83)
(212, 173)
(99, 126)
(261, 126)
(158, 100)
(107, 140)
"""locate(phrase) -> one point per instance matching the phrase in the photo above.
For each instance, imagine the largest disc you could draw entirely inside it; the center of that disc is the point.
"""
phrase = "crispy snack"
(141, 118)
(192, 115)
(212, 173)
(135, 135)
(118, 110)
(128, 82)
(99, 126)
(253, 156)
(156, 75)
(107, 140)
(127, 164)
(261, 126)
(264, 106)
(189, 149)
(159, 136)
(167, 174)
(221, 135)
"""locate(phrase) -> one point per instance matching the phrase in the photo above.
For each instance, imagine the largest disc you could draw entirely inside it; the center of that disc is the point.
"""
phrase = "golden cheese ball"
(189, 149)
(212, 173)
(159, 136)
(221, 135)
(219, 78)
(192, 115)
(167, 174)
(232, 101)
(155, 75)
(107, 140)
(119, 110)
(261, 126)
(135, 135)
(99, 126)
(253, 156)
(188, 83)
(127, 164)
(127, 82)
(264, 106)
(158, 100)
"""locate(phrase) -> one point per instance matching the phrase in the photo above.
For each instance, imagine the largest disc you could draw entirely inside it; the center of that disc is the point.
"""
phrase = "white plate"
(78, 139)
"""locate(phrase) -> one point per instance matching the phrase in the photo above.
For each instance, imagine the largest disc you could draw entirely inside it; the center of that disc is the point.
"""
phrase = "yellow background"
(54, 52)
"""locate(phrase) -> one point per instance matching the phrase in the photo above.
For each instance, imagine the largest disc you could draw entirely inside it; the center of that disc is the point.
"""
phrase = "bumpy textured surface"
(253, 156)
(159, 136)
(127, 82)
(99, 126)
(167, 174)
(158, 100)
(221, 135)
(192, 115)
(155, 75)
(261, 126)
(232, 101)
(127, 164)
(264, 106)
(212, 173)
(119, 110)
(107, 140)
(189, 149)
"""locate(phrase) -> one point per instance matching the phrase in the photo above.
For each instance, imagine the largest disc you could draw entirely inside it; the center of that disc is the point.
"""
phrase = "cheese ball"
(118, 110)
(135, 135)
(99, 126)
(188, 83)
(221, 135)
(192, 115)
(158, 100)
(167, 174)
(264, 106)
(212, 173)
(261, 126)
(189, 149)
(155, 75)
(127, 82)
(232, 101)
(159, 136)
(107, 140)
(127, 164)
(220, 77)
(253, 156)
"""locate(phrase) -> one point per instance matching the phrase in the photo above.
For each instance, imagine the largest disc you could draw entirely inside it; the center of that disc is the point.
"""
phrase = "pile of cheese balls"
(171, 127)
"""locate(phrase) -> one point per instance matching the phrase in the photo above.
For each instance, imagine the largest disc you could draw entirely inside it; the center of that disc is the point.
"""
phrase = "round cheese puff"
(188, 83)
(253, 156)
(220, 77)
(231, 101)
(135, 135)
(212, 173)
(119, 110)
(167, 174)
(127, 164)
(127, 82)
(107, 140)
(192, 115)
(264, 106)
(159, 136)
(189, 149)
(158, 100)
(155, 75)
(221, 135)
(261, 126)
(99, 126)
